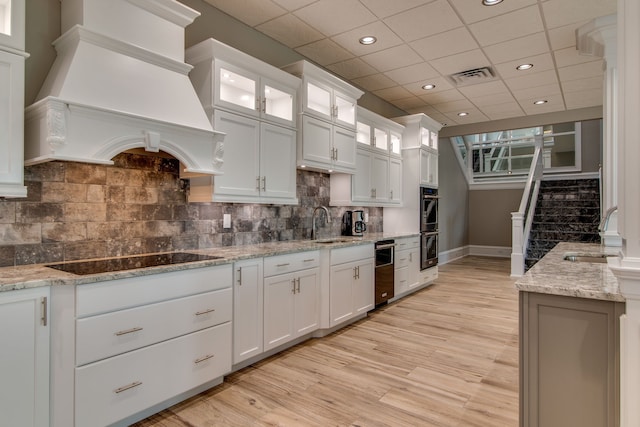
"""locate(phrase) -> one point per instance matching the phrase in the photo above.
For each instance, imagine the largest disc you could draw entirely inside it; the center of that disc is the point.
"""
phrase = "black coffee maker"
(353, 223)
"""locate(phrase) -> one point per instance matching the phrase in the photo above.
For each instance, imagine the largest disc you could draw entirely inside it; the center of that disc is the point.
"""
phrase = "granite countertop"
(556, 276)
(38, 275)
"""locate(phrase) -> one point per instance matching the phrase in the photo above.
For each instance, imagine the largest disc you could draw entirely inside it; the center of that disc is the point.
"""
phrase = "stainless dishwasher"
(384, 279)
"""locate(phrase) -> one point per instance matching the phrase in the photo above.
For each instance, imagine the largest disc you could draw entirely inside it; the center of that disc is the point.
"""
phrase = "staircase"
(566, 211)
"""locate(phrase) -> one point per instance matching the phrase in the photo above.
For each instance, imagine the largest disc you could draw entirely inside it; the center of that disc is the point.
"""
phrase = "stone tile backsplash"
(138, 205)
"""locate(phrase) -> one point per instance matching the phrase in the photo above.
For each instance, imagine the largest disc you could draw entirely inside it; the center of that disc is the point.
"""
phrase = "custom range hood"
(120, 82)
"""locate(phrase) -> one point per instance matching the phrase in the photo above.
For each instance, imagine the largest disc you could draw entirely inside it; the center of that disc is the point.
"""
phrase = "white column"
(627, 267)
(598, 38)
(517, 244)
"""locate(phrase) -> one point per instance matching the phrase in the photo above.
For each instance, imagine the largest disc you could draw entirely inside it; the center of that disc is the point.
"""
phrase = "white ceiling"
(424, 41)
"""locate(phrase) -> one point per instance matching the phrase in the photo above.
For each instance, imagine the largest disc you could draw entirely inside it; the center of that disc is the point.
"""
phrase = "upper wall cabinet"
(254, 104)
(12, 57)
(12, 13)
(327, 138)
(420, 145)
(377, 180)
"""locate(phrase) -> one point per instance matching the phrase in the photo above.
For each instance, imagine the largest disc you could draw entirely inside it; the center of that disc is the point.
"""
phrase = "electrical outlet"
(226, 221)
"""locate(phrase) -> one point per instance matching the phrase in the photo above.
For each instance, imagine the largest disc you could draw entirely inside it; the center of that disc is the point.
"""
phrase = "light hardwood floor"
(444, 356)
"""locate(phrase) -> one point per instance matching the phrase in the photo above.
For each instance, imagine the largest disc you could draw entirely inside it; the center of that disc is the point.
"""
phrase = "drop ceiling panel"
(581, 71)
(442, 97)
(473, 11)
(474, 116)
(445, 44)
(537, 92)
(454, 106)
(324, 52)
(554, 103)
(484, 89)
(441, 84)
(570, 56)
(583, 99)
(424, 21)
(562, 12)
(534, 44)
(332, 17)
(542, 62)
(251, 12)
(374, 82)
(290, 31)
(591, 83)
(384, 8)
(564, 36)
(351, 39)
(413, 73)
(406, 103)
(532, 80)
(395, 57)
(503, 111)
(293, 4)
(352, 68)
(493, 99)
(393, 93)
(512, 25)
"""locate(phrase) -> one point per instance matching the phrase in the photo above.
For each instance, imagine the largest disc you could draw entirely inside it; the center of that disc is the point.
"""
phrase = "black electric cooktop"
(130, 263)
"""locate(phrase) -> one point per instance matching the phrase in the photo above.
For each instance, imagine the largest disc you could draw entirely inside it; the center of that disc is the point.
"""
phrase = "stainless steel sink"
(593, 258)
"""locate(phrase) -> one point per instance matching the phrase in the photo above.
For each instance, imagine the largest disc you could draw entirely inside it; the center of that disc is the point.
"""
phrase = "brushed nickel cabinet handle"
(240, 276)
(129, 331)
(298, 280)
(44, 311)
(293, 287)
(258, 183)
(127, 387)
(282, 265)
(203, 358)
(200, 313)
(309, 260)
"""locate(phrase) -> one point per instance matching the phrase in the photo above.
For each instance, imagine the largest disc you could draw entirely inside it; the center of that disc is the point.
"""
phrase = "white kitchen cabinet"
(248, 300)
(131, 355)
(378, 172)
(407, 263)
(24, 358)
(291, 297)
(429, 167)
(258, 167)
(328, 110)
(254, 104)
(12, 57)
(351, 282)
(419, 169)
(326, 146)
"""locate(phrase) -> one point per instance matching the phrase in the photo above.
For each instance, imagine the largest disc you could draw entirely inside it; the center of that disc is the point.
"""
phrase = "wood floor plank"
(445, 356)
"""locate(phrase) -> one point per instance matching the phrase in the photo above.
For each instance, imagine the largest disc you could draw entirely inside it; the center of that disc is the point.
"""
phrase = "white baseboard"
(452, 254)
(492, 251)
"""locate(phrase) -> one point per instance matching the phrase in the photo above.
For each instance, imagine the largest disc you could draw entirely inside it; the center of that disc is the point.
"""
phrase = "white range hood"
(120, 82)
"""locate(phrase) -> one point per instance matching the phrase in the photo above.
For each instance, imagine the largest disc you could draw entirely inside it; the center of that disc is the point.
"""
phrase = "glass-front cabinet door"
(345, 110)
(12, 23)
(278, 102)
(395, 143)
(318, 100)
(381, 139)
(363, 135)
(237, 89)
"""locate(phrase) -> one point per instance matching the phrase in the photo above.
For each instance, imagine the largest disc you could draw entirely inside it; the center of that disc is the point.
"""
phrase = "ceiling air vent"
(474, 76)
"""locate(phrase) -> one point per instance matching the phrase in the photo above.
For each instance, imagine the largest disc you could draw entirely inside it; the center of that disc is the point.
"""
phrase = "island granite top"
(38, 275)
(557, 276)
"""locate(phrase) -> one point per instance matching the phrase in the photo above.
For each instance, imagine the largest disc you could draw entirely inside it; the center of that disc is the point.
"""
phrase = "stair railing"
(522, 219)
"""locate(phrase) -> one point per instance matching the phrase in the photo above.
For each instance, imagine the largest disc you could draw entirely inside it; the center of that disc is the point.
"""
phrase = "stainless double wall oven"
(428, 227)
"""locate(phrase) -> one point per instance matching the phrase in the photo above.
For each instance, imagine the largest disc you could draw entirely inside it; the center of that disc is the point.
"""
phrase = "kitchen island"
(570, 306)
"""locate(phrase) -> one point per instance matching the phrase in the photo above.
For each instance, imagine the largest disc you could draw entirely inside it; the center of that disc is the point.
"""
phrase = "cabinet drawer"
(351, 253)
(118, 387)
(401, 259)
(407, 243)
(103, 297)
(428, 275)
(106, 335)
(282, 264)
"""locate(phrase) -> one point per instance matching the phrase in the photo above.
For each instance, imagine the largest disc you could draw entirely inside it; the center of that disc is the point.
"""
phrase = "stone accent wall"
(78, 211)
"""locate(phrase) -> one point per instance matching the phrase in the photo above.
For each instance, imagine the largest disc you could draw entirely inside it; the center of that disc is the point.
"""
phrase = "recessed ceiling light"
(523, 67)
(368, 40)
(540, 102)
(463, 114)
(428, 87)
(491, 2)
